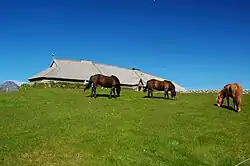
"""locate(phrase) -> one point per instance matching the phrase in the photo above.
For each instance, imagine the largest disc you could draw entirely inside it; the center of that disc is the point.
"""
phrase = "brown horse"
(104, 81)
(234, 91)
(165, 86)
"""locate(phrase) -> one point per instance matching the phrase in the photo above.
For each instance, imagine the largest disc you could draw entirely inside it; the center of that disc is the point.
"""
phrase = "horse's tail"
(89, 83)
(145, 89)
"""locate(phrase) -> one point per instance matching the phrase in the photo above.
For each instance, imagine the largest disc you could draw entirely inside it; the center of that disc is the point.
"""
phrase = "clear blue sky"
(198, 43)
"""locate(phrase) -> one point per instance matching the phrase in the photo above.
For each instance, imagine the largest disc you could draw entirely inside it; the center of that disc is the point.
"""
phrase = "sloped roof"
(83, 69)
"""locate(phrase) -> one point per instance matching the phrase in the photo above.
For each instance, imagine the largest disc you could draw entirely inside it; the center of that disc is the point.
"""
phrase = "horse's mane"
(226, 86)
(222, 93)
(170, 82)
(115, 78)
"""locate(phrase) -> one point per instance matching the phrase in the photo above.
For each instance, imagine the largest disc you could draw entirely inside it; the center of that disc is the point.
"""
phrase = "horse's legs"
(227, 101)
(92, 91)
(151, 92)
(148, 93)
(110, 93)
(234, 103)
(227, 97)
(114, 92)
(239, 104)
(165, 93)
(118, 91)
(95, 93)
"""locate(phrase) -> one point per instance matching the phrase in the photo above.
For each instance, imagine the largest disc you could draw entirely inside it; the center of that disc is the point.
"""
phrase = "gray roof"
(83, 69)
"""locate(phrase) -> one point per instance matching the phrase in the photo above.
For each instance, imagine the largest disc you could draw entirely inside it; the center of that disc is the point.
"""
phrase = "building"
(80, 71)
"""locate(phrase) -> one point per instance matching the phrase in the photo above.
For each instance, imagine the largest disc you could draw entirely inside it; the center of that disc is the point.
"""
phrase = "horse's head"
(173, 93)
(220, 97)
(172, 88)
(86, 87)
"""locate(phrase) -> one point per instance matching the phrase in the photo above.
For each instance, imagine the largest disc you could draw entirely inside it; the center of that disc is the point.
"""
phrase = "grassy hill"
(64, 127)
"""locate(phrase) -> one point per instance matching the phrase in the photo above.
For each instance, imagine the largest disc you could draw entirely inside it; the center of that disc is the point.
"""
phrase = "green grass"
(64, 127)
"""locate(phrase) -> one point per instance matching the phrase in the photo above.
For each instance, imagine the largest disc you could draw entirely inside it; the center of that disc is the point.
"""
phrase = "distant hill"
(9, 86)
(19, 83)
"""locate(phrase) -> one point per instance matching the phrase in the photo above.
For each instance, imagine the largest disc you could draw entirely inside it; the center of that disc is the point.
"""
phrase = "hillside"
(9, 86)
(64, 127)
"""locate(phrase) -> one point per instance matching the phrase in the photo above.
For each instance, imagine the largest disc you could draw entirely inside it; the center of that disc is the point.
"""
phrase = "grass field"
(64, 127)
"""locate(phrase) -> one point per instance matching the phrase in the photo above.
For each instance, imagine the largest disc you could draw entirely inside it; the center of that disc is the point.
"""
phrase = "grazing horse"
(165, 86)
(234, 91)
(104, 81)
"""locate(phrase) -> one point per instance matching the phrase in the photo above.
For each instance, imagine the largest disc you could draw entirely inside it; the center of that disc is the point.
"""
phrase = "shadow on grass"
(157, 97)
(102, 95)
(225, 107)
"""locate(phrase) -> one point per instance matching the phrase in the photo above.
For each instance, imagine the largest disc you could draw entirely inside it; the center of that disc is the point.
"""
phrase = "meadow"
(65, 127)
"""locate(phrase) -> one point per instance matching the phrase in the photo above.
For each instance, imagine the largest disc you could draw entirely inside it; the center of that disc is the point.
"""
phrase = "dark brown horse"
(165, 86)
(234, 91)
(106, 82)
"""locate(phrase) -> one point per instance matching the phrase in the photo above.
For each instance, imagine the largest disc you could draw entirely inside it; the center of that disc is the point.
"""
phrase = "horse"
(104, 81)
(164, 85)
(234, 91)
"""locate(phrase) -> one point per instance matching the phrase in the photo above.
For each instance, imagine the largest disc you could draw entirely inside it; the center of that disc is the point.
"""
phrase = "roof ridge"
(75, 60)
(79, 60)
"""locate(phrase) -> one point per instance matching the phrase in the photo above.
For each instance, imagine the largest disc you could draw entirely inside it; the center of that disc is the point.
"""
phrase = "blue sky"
(198, 44)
